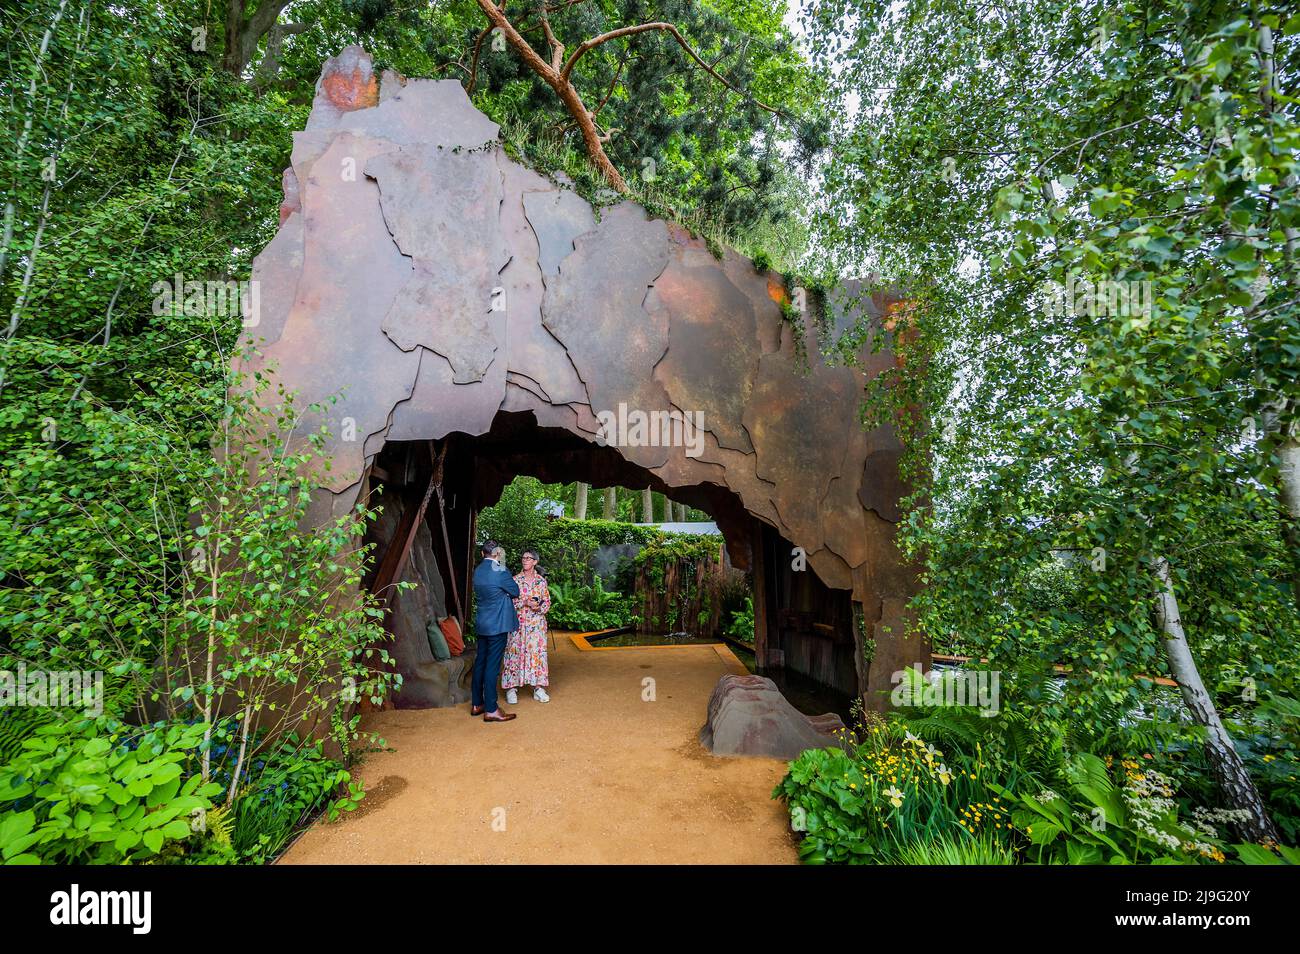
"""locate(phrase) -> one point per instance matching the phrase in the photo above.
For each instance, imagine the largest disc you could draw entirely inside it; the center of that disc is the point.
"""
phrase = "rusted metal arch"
(427, 283)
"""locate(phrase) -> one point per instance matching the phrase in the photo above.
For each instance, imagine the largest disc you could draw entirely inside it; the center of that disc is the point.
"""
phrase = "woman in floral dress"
(525, 660)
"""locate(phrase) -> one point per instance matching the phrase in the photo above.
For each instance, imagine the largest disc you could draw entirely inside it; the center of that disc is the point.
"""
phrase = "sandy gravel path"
(598, 775)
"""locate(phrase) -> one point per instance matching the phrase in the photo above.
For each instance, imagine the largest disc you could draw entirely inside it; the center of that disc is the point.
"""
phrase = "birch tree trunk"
(1235, 784)
(1282, 420)
(1287, 450)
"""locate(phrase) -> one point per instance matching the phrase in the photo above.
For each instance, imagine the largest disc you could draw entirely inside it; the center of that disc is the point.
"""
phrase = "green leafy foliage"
(957, 850)
(587, 609)
(741, 626)
(88, 793)
(283, 789)
(883, 793)
(1092, 209)
(1101, 821)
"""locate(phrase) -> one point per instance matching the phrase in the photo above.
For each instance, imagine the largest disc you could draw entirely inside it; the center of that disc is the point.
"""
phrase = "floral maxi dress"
(525, 659)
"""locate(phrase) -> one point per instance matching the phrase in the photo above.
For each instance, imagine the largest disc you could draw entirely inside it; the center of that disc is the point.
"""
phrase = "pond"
(650, 639)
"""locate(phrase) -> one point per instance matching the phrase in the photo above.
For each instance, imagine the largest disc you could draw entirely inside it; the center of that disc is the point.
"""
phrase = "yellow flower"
(895, 796)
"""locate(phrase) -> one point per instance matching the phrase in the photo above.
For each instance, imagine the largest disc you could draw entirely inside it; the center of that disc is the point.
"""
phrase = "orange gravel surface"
(610, 771)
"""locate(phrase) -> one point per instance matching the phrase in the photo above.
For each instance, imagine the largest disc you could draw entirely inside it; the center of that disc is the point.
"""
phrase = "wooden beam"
(399, 548)
(759, 569)
(439, 460)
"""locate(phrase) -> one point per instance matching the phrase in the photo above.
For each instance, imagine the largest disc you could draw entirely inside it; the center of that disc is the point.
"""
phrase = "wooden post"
(759, 570)
(399, 548)
(439, 459)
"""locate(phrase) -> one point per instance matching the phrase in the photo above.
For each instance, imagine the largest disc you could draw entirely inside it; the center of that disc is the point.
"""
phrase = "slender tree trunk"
(681, 513)
(1288, 457)
(611, 503)
(235, 774)
(1282, 438)
(647, 506)
(580, 502)
(1283, 419)
(1235, 784)
(32, 87)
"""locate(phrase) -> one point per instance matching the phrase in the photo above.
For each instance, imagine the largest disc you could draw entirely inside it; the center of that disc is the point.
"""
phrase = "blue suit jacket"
(494, 594)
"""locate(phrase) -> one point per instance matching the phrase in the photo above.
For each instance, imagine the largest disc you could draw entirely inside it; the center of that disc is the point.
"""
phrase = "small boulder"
(749, 716)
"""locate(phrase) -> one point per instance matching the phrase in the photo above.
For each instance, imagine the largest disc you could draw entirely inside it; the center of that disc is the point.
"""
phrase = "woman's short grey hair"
(499, 554)
(532, 553)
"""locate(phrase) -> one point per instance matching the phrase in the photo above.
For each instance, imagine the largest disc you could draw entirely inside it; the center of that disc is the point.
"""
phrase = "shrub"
(1099, 819)
(84, 793)
(741, 626)
(282, 792)
(586, 609)
(865, 802)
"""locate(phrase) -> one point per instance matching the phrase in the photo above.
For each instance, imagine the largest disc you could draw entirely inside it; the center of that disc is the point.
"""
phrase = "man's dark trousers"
(487, 670)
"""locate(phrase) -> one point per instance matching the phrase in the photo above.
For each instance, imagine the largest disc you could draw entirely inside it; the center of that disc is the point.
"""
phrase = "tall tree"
(1094, 209)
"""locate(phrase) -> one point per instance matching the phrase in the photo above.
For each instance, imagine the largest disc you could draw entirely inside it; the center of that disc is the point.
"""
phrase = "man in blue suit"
(494, 620)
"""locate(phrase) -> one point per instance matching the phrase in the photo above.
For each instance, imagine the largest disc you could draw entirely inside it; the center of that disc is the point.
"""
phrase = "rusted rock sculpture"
(430, 283)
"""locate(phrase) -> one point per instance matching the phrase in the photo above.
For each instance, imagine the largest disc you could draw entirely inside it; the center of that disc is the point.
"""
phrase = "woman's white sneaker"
(540, 694)
(512, 697)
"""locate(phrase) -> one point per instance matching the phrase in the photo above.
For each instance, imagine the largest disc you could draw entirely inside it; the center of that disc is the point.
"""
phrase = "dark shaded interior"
(803, 629)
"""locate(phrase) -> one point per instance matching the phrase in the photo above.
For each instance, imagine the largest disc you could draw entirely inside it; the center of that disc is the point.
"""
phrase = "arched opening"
(429, 494)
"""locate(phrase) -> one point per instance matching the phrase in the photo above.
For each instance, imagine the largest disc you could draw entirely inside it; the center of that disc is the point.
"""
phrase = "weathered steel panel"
(443, 209)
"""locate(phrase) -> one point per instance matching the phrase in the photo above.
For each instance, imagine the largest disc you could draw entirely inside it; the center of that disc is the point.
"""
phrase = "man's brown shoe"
(475, 710)
(499, 716)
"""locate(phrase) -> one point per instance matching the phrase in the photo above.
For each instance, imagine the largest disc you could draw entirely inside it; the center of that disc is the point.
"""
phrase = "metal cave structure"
(439, 291)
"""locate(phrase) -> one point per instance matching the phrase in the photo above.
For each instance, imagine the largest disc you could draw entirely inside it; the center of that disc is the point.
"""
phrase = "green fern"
(18, 723)
(1011, 739)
